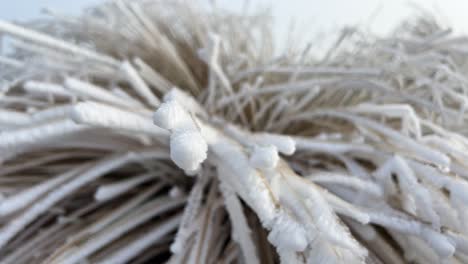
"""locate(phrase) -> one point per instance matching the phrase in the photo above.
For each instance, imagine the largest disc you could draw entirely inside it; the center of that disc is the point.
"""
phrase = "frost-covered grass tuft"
(355, 154)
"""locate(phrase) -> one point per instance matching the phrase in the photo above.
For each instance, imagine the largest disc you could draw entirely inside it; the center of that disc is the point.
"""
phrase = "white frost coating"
(8, 117)
(264, 157)
(233, 161)
(28, 136)
(429, 173)
(89, 90)
(323, 218)
(349, 181)
(344, 208)
(241, 232)
(329, 146)
(109, 191)
(188, 149)
(442, 246)
(107, 116)
(171, 115)
(44, 88)
(288, 234)
(57, 112)
(411, 187)
(461, 241)
(53, 43)
(410, 121)
(184, 99)
(285, 144)
(13, 118)
(139, 84)
(425, 152)
(135, 248)
(459, 188)
(19, 201)
(440, 243)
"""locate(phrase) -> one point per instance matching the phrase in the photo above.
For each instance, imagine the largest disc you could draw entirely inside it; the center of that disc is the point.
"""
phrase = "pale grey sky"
(27, 9)
(314, 15)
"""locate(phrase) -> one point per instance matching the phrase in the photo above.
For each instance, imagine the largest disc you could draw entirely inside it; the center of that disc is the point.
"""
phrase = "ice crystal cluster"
(166, 132)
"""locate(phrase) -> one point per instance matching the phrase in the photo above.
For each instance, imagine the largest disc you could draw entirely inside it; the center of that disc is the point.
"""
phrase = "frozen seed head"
(188, 149)
(264, 157)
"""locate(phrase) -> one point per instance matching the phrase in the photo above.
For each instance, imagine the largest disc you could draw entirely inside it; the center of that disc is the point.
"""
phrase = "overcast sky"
(323, 15)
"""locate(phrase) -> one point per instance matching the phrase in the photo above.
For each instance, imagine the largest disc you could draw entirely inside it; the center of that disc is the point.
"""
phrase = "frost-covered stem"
(121, 211)
(139, 84)
(53, 43)
(153, 209)
(107, 116)
(88, 90)
(143, 242)
(42, 205)
(110, 191)
(240, 229)
(191, 212)
(18, 201)
(22, 137)
(46, 89)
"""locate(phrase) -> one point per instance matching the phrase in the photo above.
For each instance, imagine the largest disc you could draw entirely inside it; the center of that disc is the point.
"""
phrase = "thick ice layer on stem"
(107, 116)
(188, 149)
(285, 144)
(349, 181)
(46, 89)
(288, 234)
(13, 118)
(323, 217)
(264, 157)
(28, 136)
(171, 115)
(326, 146)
